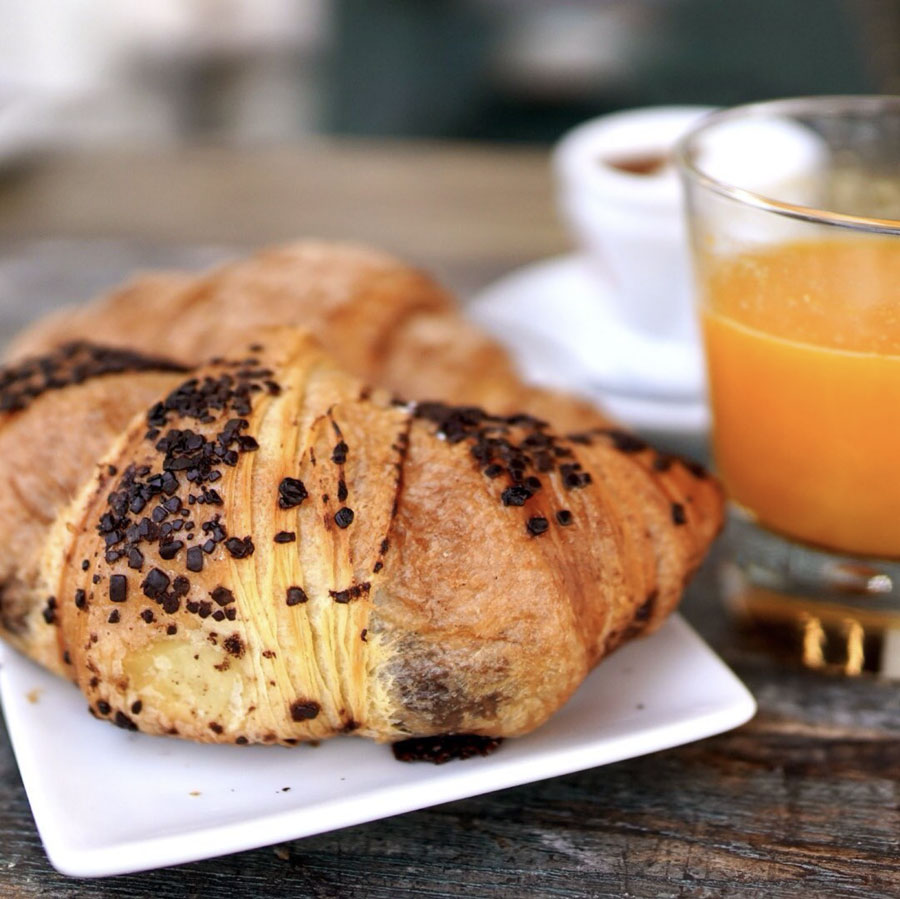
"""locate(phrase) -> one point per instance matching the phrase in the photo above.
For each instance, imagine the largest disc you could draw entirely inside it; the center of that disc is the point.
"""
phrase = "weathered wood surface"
(803, 801)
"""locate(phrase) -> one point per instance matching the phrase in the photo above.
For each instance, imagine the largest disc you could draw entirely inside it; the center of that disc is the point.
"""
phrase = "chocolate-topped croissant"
(270, 551)
(381, 320)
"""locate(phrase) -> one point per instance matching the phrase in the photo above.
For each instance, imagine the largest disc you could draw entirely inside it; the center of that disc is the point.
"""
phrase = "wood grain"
(803, 801)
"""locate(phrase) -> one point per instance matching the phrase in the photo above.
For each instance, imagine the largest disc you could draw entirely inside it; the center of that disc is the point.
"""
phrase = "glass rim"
(823, 104)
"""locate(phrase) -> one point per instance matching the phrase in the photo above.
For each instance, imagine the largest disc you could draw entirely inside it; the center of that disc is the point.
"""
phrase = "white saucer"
(557, 319)
(107, 801)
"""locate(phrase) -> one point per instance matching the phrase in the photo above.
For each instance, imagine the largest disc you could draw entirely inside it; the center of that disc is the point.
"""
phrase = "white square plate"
(111, 802)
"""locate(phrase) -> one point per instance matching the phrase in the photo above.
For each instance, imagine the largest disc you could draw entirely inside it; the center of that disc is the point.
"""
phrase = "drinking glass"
(794, 216)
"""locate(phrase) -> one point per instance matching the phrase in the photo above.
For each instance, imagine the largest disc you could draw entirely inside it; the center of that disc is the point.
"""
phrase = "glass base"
(828, 611)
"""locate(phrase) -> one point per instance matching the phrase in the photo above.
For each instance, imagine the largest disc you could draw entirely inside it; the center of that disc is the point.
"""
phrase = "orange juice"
(803, 350)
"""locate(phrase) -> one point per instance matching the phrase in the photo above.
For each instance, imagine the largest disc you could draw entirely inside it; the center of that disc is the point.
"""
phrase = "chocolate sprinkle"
(222, 596)
(123, 721)
(194, 559)
(343, 518)
(296, 595)
(155, 584)
(285, 537)
(304, 710)
(49, 611)
(696, 469)
(678, 514)
(573, 477)
(239, 548)
(118, 588)
(516, 495)
(291, 493)
(564, 517)
(537, 525)
(354, 592)
(168, 551)
(625, 442)
(234, 645)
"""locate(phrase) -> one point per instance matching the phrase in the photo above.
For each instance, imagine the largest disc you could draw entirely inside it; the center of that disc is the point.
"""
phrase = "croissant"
(381, 320)
(270, 551)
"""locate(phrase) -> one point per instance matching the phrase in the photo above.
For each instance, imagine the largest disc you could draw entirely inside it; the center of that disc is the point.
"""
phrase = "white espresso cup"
(620, 193)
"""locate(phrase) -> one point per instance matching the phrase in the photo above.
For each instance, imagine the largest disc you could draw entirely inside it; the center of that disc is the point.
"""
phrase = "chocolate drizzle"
(144, 508)
(72, 363)
(445, 748)
(517, 448)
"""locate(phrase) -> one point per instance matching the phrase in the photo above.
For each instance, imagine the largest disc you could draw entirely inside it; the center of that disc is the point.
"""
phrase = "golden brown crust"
(381, 320)
(283, 555)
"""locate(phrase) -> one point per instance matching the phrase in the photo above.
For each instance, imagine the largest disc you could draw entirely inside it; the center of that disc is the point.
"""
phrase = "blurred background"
(179, 132)
(93, 72)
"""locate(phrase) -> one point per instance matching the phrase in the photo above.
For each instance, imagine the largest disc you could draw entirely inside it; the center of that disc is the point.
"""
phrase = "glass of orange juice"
(794, 215)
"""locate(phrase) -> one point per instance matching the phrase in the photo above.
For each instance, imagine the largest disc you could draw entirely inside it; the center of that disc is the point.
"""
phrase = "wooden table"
(803, 801)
